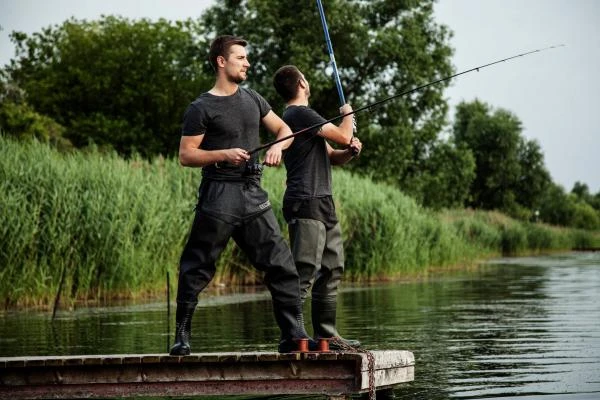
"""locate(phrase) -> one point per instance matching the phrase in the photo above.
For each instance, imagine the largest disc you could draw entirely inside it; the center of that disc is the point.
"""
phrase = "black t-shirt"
(306, 160)
(226, 122)
(308, 188)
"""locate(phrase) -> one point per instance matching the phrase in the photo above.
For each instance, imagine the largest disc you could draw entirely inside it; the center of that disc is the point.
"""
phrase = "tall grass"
(107, 227)
(111, 227)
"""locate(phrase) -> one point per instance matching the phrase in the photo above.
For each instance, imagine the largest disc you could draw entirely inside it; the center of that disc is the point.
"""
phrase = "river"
(526, 328)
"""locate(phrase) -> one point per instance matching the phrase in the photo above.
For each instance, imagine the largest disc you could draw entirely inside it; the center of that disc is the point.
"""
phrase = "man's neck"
(224, 87)
(298, 101)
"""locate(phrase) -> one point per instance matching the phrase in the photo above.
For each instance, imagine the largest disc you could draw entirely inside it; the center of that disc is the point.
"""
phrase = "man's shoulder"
(295, 109)
(261, 103)
(245, 91)
(295, 112)
(203, 98)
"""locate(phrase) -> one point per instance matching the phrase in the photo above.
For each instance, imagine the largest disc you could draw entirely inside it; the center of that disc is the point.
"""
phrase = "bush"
(19, 120)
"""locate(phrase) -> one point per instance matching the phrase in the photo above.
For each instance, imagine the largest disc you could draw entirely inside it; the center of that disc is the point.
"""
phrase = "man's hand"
(236, 156)
(355, 146)
(274, 155)
(345, 109)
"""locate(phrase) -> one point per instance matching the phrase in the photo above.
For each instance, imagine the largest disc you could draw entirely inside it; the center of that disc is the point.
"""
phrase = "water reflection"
(520, 327)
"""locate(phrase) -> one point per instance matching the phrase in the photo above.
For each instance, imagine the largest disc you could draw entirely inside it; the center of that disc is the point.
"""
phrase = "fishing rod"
(336, 75)
(377, 103)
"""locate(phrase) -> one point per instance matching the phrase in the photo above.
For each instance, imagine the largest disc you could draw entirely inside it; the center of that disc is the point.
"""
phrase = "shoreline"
(218, 294)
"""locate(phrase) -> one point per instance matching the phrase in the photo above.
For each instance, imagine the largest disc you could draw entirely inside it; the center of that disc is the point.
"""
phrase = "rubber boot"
(183, 329)
(323, 321)
(290, 320)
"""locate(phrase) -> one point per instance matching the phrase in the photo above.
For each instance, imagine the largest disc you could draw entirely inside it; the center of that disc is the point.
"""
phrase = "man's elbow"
(184, 159)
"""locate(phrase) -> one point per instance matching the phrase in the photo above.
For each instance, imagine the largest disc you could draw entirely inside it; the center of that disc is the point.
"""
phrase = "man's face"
(236, 64)
(305, 83)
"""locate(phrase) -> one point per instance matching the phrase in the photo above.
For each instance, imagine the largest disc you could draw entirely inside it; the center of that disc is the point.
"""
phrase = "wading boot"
(323, 319)
(183, 329)
(291, 322)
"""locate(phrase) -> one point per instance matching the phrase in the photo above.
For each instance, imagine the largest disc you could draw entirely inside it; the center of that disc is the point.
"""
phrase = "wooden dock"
(329, 373)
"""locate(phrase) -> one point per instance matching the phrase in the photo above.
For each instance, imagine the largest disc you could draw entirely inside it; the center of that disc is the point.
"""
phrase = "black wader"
(238, 210)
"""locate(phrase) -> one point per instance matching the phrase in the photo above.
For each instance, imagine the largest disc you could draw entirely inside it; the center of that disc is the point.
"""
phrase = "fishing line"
(377, 103)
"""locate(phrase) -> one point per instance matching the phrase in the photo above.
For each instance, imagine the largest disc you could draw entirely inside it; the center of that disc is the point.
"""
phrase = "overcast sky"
(555, 93)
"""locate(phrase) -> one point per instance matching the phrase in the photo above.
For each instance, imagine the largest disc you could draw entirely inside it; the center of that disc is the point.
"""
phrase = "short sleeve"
(311, 117)
(263, 105)
(193, 121)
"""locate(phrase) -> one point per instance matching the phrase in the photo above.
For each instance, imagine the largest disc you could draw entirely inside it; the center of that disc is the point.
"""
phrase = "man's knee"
(307, 238)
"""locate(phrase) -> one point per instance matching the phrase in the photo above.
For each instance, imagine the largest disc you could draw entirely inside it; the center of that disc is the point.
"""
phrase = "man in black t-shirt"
(308, 207)
(218, 128)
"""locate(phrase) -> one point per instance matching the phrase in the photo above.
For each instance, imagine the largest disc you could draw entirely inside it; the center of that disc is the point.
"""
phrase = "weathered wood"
(259, 373)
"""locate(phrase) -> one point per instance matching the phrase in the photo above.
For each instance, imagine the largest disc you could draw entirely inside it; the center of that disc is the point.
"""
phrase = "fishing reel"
(253, 169)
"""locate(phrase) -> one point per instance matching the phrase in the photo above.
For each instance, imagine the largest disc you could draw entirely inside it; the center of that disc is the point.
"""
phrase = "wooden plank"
(181, 389)
(257, 373)
(391, 366)
(387, 377)
(389, 359)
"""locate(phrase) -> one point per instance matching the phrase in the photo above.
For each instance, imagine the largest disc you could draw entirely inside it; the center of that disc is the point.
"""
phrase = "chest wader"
(319, 256)
(238, 210)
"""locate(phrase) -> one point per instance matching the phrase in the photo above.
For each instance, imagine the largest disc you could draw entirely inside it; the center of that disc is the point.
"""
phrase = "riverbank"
(94, 226)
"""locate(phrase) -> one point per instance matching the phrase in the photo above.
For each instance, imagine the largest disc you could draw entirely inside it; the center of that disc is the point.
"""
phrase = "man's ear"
(221, 61)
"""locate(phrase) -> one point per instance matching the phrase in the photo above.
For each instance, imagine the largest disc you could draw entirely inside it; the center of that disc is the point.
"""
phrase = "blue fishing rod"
(371, 106)
(336, 75)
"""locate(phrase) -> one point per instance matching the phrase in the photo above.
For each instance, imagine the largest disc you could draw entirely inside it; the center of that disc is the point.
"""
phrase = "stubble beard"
(237, 79)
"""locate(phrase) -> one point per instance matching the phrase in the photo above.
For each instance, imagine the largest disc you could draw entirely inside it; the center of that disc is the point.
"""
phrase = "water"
(526, 328)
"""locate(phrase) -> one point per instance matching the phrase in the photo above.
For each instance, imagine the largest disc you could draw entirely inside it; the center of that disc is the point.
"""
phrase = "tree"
(534, 178)
(581, 190)
(18, 119)
(112, 82)
(595, 201)
(585, 216)
(556, 208)
(568, 209)
(510, 171)
(382, 47)
(449, 174)
(582, 193)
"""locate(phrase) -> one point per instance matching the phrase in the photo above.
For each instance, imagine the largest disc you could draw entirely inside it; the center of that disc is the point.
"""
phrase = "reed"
(114, 227)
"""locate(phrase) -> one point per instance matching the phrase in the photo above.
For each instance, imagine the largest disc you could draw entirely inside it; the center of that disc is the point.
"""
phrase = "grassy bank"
(98, 227)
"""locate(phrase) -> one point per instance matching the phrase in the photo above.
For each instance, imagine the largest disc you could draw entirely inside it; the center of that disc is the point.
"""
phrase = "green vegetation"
(112, 83)
(114, 227)
(119, 84)
(88, 223)
(511, 175)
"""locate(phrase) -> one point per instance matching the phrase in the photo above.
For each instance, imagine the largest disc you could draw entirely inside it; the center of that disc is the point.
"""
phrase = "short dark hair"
(286, 81)
(220, 47)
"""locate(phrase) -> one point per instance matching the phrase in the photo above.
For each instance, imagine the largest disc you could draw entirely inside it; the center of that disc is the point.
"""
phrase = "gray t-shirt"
(226, 122)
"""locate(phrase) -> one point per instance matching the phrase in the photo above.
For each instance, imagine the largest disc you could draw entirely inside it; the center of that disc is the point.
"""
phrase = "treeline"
(94, 226)
(122, 85)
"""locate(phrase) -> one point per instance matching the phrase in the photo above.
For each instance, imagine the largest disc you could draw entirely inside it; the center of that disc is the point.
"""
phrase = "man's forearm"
(339, 157)
(283, 132)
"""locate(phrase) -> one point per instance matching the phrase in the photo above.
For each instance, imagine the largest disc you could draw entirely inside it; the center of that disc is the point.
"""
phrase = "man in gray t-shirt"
(315, 234)
(218, 128)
